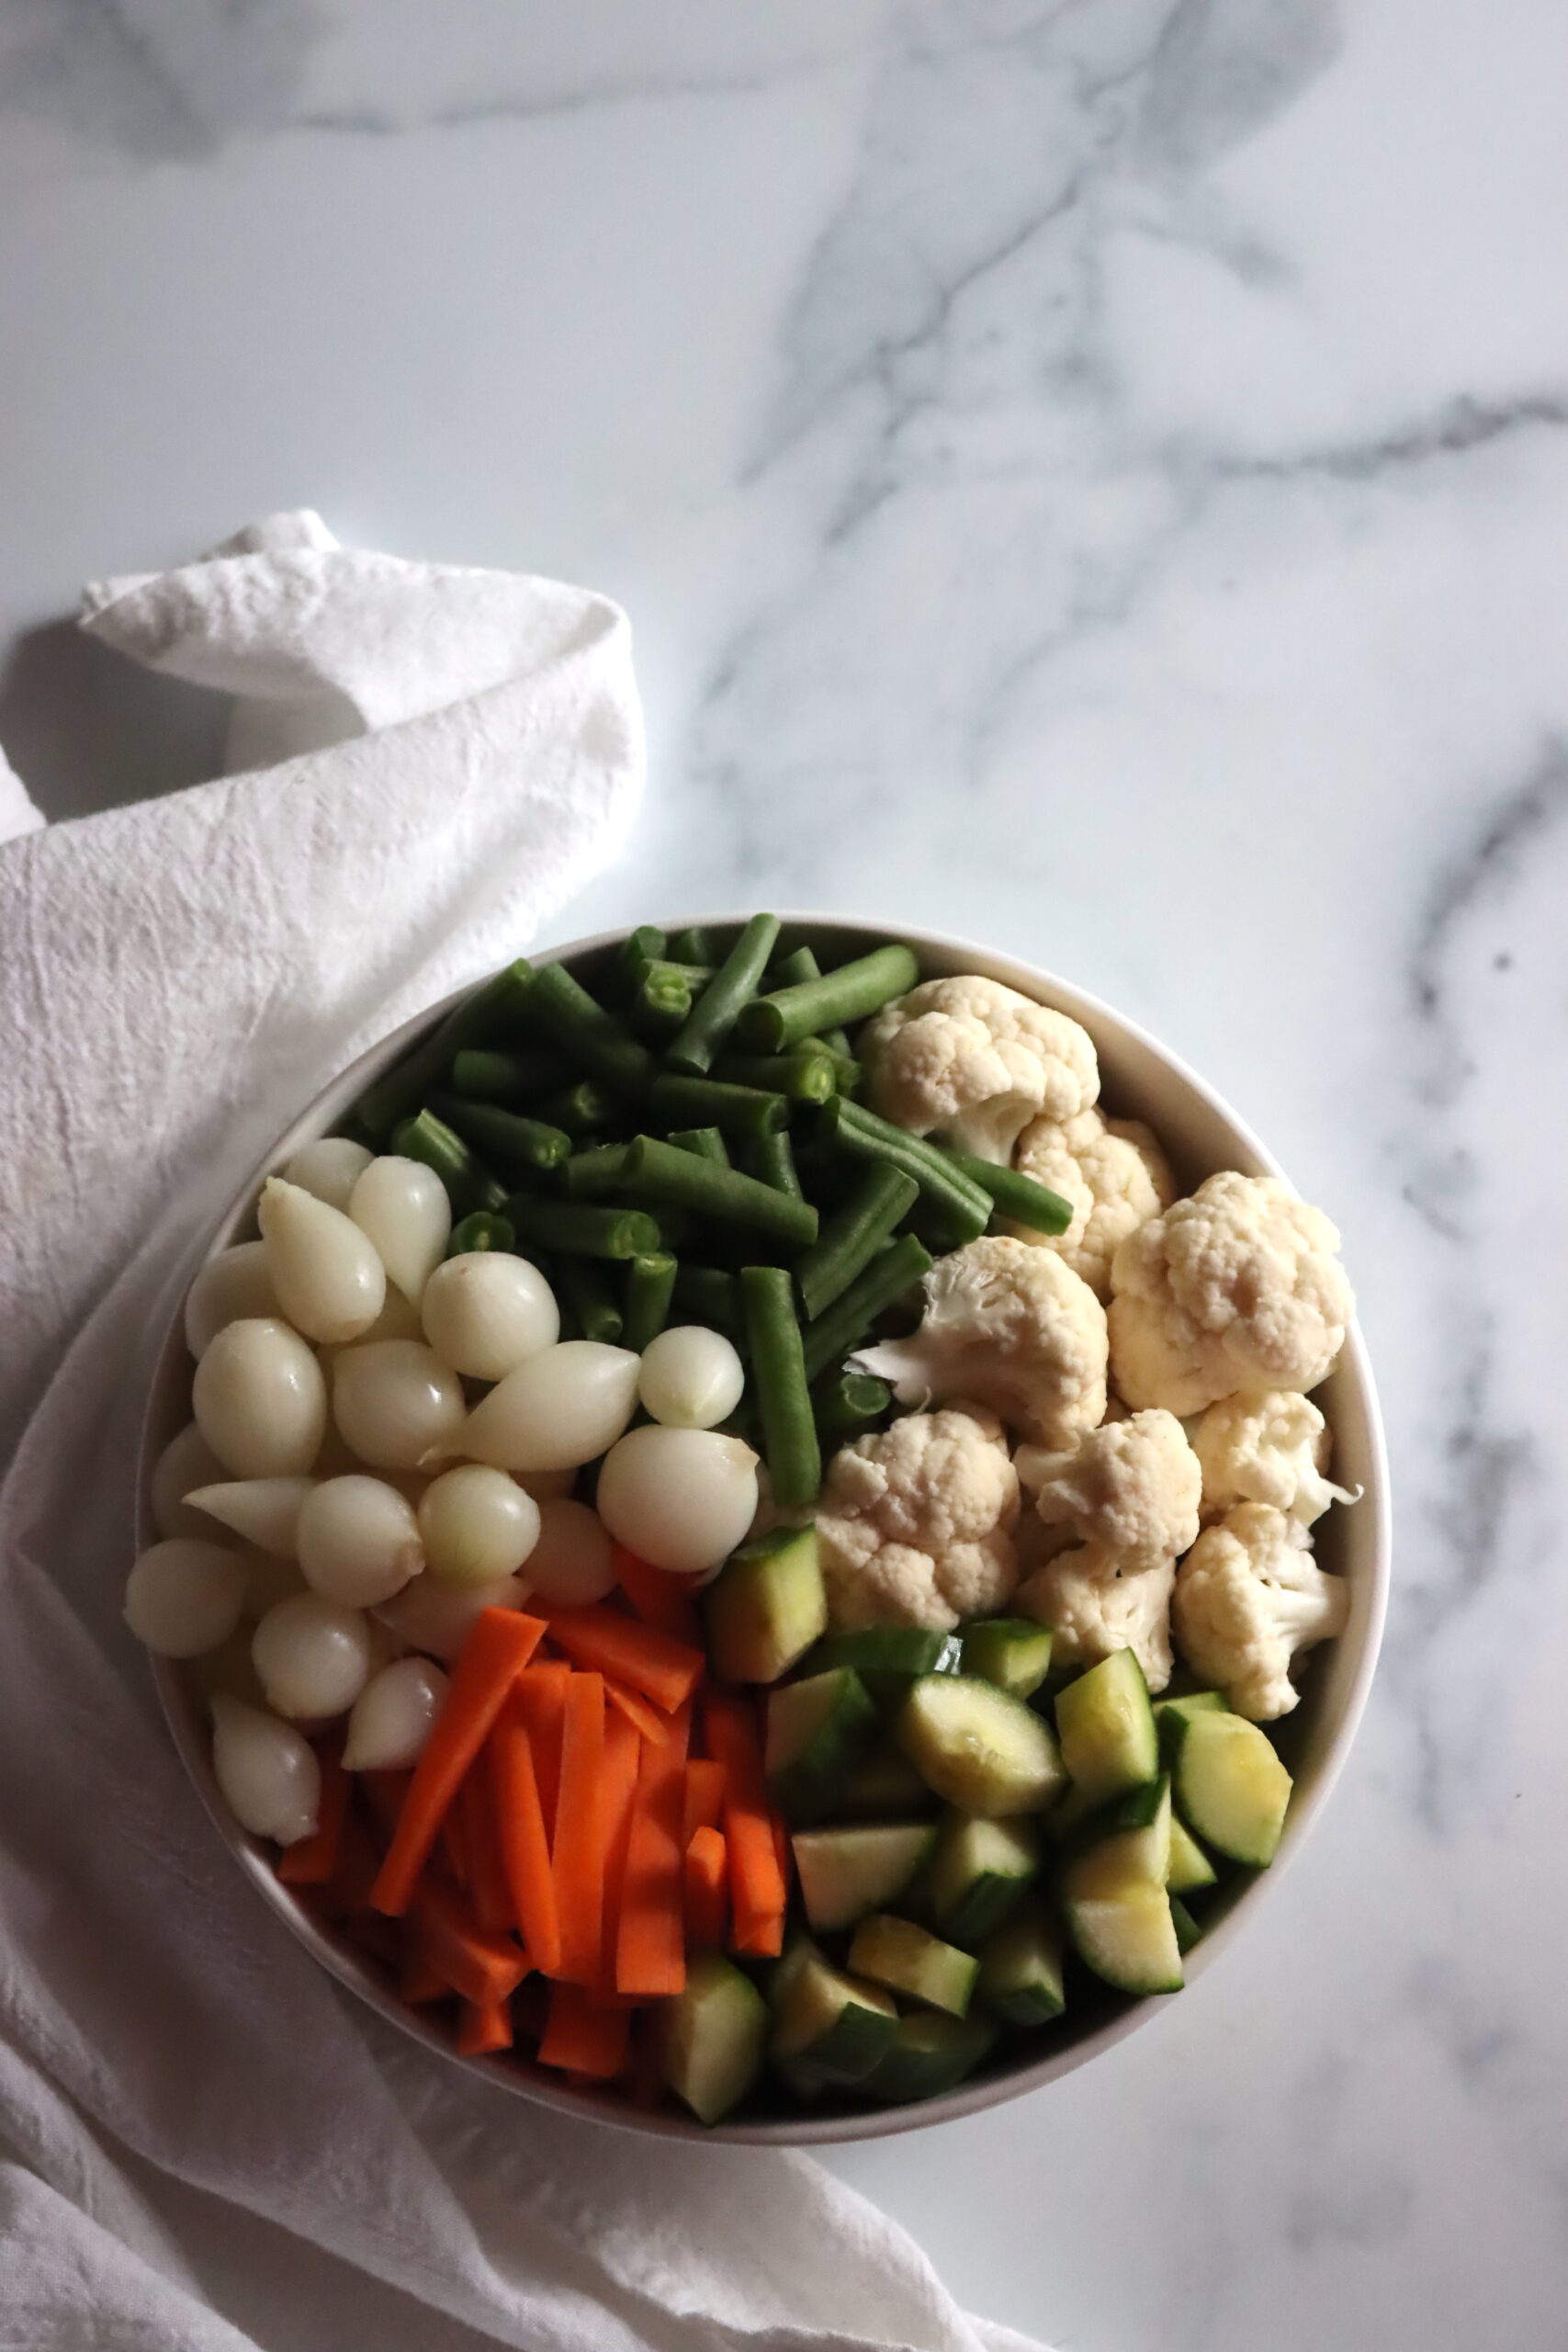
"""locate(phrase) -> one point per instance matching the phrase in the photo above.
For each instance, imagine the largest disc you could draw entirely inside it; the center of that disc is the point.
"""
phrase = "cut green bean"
(650, 1284)
(482, 1230)
(585, 1109)
(1016, 1195)
(582, 1284)
(770, 1023)
(395, 1094)
(706, 1142)
(469, 1184)
(846, 1408)
(696, 945)
(660, 1173)
(809, 1074)
(639, 948)
(707, 1103)
(778, 1375)
(485, 1074)
(707, 1295)
(582, 1229)
(793, 970)
(589, 1035)
(853, 1233)
(733, 985)
(770, 1159)
(591, 1175)
(505, 1135)
(840, 1331)
(660, 1005)
(952, 1208)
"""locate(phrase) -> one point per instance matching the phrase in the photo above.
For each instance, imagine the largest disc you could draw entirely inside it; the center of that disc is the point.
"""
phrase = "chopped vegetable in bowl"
(710, 1568)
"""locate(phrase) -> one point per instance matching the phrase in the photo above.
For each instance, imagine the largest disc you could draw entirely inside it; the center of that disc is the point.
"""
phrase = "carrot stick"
(649, 1722)
(310, 1861)
(499, 1648)
(577, 1848)
(663, 1670)
(707, 1864)
(453, 1843)
(483, 2026)
(650, 1949)
(623, 1751)
(480, 1967)
(657, 1598)
(582, 2039)
(418, 1982)
(541, 1707)
(756, 1889)
(481, 1835)
(704, 1797)
(525, 1844)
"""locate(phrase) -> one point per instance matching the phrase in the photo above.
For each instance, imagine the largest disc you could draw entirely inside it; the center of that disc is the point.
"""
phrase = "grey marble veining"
(1090, 474)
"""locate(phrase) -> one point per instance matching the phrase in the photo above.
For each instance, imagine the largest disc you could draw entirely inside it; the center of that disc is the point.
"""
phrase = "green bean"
(650, 1282)
(696, 945)
(636, 951)
(707, 1295)
(846, 1408)
(793, 970)
(591, 1175)
(589, 1035)
(837, 1333)
(1016, 1195)
(778, 1371)
(505, 1135)
(484, 1074)
(952, 1207)
(659, 1171)
(735, 982)
(661, 1004)
(769, 1024)
(469, 1184)
(582, 1229)
(706, 1142)
(807, 1075)
(482, 1230)
(853, 1233)
(582, 1284)
(706, 1102)
(395, 1094)
(584, 1109)
(770, 1159)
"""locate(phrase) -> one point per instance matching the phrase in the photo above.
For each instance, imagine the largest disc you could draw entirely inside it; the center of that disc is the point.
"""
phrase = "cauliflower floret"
(1132, 1487)
(1013, 1326)
(1237, 1287)
(1266, 1447)
(1249, 1597)
(973, 1061)
(914, 1524)
(1094, 1609)
(1114, 1174)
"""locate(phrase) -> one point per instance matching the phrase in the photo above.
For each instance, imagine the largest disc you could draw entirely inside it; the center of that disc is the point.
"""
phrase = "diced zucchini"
(978, 1872)
(902, 1956)
(1190, 1865)
(1139, 1825)
(978, 1748)
(1013, 1652)
(711, 2037)
(1171, 1716)
(780, 1975)
(817, 1731)
(1021, 1969)
(1187, 1931)
(929, 2054)
(830, 2025)
(1231, 1787)
(767, 1607)
(844, 1873)
(908, 1650)
(1119, 1918)
(1107, 1729)
(885, 1786)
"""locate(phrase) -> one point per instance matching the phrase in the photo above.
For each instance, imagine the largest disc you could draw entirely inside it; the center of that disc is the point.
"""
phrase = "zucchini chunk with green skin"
(1231, 1788)
(978, 1872)
(827, 2024)
(1187, 1931)
(711, 2037)
(1171, 1716)
(1107, 1729)
(1013, 1652)
(907, 1960)
(1021, 1969)
(979, 1748)
(1190, 1865)
(908, 1650)
(1118, 1913)
(883, 1787)
(844, 1873)
(817, 1731)
(930, 2055)
(767, 1607)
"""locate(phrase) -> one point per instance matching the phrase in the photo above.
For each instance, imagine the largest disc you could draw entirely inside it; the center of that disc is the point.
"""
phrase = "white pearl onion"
(268, 1771)
(562, 1407)
(691, 1377)
(358, 1541)
(395, 1401)
(393, 1714)
(186, 1461)
(184, 1596)
(571, 1562)
(486, 1312)
(260, 1399)
(329, 1168)
(478, 1524)
(312, 1655)
(430, 1615)
(235, 1283)
(330, 1283)
(402, 1205)
(266, 1511)
(681, 1499)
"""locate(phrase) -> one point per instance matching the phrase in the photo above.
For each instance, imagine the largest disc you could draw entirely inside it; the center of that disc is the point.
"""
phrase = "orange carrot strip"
(623, 1751)
(577, 1847)
(418, 1982)
(524, 1843)
(483, 2026)
(479, 1966)
(657, 1598)
(663, 1670)
(311, 1860)
(582, 2039)
(541, 1705)
(453, 1843)
(648, 1719)
(707, 1865)
(704, 1797)
(650, 1949)
(499, 1648)
(757, 1887)
(481, 1836)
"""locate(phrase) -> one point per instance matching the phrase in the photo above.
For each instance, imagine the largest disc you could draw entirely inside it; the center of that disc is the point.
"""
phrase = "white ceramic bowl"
(1200, 1134)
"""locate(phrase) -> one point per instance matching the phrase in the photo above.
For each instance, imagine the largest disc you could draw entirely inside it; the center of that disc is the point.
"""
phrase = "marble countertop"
(1093, 476)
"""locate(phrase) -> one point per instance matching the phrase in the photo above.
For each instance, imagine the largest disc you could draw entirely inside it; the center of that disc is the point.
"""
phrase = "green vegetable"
(486, 1075)
(581, 1228)
(482, 1230)
(853, 1233)
(910, 1960)
(952, 1208)
(589, 1036)
(770, 1159)
(585, 1109)
(1231, 1787)
(980, 1749)
(770, 1023)
(809, 1074)
(394, 1095)
(766, 1607)
(846, 1408)
(585, 1287)
(790, 970)
(707, 1142)
(707, 1103)
(844, 1873)
(659, 1172)
(883, 1787)
(1184, 1926)
(711, 2036)
(707, 1295)
(469, 1184)
(778, 1371)
(1118, 1913)
(979, 1871)
(930, 2055)
(505, 1135)
(639, 948)
(650, 1283)
(694, 945)
(817, 1731)
(713, 1015)
(827, 2023)
(1190, 1865)
(591, 1175)
(892, 1653)
(1016, 1195)
(841, 1327)
(1021, 1971)
(1107, 1729)
(1013, 1652)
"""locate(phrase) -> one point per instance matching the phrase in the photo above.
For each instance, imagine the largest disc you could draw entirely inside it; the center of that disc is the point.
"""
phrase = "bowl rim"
(350, 1968)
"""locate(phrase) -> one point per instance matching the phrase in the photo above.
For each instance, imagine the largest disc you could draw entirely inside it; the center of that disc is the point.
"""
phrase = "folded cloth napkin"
(204, 2144)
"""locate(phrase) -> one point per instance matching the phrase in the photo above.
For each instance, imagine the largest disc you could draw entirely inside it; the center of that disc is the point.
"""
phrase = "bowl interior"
(1141, 1080)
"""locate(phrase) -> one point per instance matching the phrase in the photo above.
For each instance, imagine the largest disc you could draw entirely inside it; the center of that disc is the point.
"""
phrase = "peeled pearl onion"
(402, 1205)
(681, 1499)
(330, 1169)
(691, 1377)
(486, 1312)
(266, 1511)
(312, 1655)
(184, 1596)
(394, 1401)
(430, 1615)
(187, 1461)
(397, 1320)
(235, 1283)
(358, 1541)
(330, 1283)
(478, 1525)
(260, 1399)
(392, 1716)
(562, 1407)
(571, 1561)
(268, 1771)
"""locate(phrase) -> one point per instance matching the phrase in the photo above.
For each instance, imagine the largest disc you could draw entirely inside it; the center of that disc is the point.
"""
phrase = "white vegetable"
(1094, 1609)
(330, 1169)
(312, 1655)
(1250, 1598)
(186, 1461)
(973, 1061)
(1113, 1174)
(914, 1524)
(394, 1400)
(397, 1320)
(329, 1281)
(478, 1525)
(266, 1511)
(234, 1284)
(358, 1541)
(393, 1714)
(571, 1561)
(268, 1771)
(563, 1406)
(260, 1399)
(430, 1615)
(402, 1205)
(1269, 1447)
(691, 1377)
(184, 1596)
(681, 1499)
(1130, 1485)
(486, 1312)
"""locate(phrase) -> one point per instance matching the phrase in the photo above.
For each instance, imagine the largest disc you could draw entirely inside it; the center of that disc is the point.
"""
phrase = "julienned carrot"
(487, 1889)
(704, 1796)
(756, 1888)
(708, 1865)
(650, 1721)
(525, 1842)
(623, 1751)
(657, 1597)
(583, 2039)
(418, 1981)
(663, 1670)
(650, 1948)
(541, 1705)
(310, 1861)
(577, 1847)
(453, 1843)
(499, 1648)
(479, 1966)
(483, 2026)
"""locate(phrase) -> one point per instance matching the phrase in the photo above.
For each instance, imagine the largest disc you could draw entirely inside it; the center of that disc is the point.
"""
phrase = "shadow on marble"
(86, 730)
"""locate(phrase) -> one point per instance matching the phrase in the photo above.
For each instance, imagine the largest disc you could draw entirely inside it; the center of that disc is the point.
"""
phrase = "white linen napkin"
(203, 2142)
